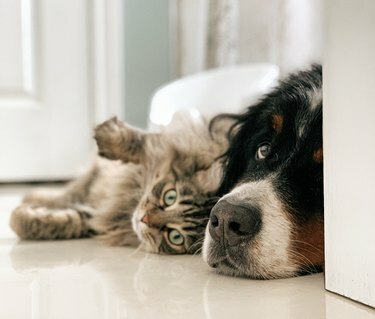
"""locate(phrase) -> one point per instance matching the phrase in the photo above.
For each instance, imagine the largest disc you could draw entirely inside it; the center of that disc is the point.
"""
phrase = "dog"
(268, 222)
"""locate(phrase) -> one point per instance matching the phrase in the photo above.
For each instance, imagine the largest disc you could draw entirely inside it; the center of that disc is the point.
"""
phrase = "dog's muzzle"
(231, 224)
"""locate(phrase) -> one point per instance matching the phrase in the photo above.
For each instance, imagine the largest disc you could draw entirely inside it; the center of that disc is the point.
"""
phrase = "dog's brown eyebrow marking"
(277, 123)
(318, 155)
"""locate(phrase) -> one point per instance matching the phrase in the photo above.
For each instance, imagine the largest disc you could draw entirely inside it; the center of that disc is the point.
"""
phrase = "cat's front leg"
(32, 222)
(118, 141)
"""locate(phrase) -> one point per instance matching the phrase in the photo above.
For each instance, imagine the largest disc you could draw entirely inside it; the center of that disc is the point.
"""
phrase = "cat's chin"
(137, 225)
(149, 249)
(143, 234)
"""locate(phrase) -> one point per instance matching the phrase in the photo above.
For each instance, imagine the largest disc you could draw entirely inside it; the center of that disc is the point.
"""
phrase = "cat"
(153, 190)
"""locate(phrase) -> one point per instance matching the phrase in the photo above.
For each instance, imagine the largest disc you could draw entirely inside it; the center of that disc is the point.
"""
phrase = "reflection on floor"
(84, 279)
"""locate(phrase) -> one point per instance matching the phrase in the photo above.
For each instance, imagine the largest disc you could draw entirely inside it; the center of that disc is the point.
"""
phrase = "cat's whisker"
(199, 243)
(197, 252)
(137, 250)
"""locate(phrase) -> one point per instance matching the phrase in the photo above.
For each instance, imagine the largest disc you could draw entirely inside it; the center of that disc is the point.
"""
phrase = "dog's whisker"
(316, 253)
(309, 263)
(305, 243)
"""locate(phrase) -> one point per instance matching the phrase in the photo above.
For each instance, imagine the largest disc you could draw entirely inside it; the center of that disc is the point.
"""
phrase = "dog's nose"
(231, 223)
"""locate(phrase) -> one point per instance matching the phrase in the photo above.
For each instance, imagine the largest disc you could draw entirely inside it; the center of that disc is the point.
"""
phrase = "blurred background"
(67, 65)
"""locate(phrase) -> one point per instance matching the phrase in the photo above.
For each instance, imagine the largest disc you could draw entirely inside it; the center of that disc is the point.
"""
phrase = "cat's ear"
(209, 179)
(118, 141)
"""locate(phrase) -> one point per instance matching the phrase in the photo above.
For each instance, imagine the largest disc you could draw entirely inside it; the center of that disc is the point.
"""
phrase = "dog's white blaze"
(270, 247)
(268, 253)
(206, 244)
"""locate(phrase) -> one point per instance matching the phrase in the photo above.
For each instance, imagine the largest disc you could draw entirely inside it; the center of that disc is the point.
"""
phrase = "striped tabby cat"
(149, 189)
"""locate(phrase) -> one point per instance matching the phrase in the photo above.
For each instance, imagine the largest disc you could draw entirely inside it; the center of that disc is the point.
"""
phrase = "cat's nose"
(144, 219)
(232, 223)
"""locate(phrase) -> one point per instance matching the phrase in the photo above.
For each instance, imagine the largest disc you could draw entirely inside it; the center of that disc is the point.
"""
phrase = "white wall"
(349, 148)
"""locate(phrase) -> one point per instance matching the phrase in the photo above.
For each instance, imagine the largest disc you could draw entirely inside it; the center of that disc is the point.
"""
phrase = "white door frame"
(62, 73)
(349, 148)
(107, 60)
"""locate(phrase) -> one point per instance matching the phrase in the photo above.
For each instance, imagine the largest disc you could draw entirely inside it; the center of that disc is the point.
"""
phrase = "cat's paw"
(117, 141)
(111, 137)
(25, 221)
(32, 222)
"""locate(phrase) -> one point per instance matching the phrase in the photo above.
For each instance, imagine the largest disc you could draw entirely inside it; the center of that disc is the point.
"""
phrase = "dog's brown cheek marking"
(277, 123)
(318, 155)
(308, 243)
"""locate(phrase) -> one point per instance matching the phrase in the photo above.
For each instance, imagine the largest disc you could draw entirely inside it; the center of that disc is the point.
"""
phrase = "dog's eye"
(263, 151)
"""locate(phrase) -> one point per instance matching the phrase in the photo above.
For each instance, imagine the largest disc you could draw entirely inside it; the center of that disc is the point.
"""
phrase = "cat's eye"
(175, 237)
(263, 151)
(170, 197)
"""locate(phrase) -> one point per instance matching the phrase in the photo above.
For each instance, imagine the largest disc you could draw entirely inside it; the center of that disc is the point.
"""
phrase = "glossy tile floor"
(84, 279)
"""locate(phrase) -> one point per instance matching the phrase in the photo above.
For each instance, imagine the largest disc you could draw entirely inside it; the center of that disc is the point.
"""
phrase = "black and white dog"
(269, 221)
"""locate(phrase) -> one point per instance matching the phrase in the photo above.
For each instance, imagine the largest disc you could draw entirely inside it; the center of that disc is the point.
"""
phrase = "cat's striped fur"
(150, 189)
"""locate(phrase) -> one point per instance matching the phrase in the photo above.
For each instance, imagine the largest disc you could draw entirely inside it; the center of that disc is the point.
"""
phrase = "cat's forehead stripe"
(158, 189)
(185, 191)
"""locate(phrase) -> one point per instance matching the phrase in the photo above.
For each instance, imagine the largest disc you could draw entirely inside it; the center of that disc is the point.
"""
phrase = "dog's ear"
(118, 141)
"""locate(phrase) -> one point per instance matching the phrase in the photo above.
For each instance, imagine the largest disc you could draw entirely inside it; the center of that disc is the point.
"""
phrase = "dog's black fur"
(272, 186)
